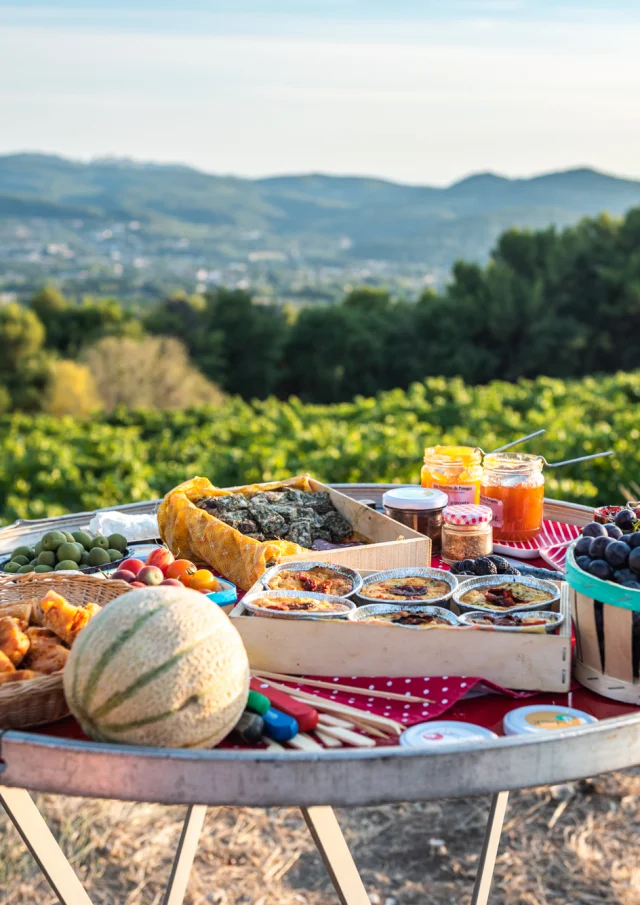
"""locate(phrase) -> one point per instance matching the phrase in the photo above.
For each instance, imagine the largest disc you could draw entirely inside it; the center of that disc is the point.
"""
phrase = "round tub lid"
(436, 732)
(419, 498)
(544, 718)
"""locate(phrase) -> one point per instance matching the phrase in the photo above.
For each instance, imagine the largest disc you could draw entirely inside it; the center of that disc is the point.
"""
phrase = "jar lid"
(422, 498)
(540, 718)
(436, 732)
(467, 514)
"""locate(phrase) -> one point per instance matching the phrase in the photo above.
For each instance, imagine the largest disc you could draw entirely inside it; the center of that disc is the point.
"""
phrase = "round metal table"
(314, 782)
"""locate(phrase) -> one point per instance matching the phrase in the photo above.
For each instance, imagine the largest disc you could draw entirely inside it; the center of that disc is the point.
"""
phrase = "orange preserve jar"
(513, 487)
(457, 470)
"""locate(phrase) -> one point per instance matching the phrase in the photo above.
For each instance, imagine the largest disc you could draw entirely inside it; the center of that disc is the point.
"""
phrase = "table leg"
(41, 842)
(327, 835)
(484, 877)
(186, 852)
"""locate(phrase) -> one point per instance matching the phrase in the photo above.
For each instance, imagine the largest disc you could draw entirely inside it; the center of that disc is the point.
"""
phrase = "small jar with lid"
(417, 508)
(513, 488)
(466, 532)
(456, 470)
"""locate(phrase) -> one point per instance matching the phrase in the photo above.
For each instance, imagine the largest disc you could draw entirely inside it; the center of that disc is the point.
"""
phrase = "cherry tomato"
(180, 569)
(203, 580)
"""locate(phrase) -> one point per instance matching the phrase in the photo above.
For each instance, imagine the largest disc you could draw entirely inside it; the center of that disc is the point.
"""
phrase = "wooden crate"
(393, 545)
(528, 662)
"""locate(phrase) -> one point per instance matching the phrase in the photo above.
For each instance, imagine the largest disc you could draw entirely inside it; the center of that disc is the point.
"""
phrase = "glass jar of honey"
(456, 470)
(513, 487)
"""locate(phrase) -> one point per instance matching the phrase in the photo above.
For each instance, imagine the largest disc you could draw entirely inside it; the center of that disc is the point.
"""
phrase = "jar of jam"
(417, 508)
(456, 470)
(466, 532)
(513, 487)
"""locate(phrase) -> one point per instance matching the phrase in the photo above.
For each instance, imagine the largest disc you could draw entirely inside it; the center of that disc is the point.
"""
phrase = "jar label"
(459, 493)
(496, 506)
(551, 719)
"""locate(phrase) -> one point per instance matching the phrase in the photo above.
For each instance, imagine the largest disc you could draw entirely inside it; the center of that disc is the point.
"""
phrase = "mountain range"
(319, 215)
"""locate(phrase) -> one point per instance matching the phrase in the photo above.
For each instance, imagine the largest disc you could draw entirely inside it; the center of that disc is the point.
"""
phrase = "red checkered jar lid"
(467, 514)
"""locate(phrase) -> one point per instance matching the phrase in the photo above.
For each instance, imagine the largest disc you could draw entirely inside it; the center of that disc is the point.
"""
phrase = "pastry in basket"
(415, 587)
(506, 596)
(63, 618)
(14, 644)
(298, 605)
(408, 617)
(46, 653)
(321, 579)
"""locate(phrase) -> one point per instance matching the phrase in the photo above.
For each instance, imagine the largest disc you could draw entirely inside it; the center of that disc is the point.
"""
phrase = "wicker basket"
(39, 701)
(607, 623)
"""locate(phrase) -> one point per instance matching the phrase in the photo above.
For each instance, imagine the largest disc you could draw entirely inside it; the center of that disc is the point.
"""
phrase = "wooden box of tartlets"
(384, 645)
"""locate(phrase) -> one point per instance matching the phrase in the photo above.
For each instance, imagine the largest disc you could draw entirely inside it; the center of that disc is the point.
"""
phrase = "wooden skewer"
(371, 730)
(349, 689)
(325, 719)
(304, 742)
(328, 740)
(381, 722)
(272, 744)
(351, 738)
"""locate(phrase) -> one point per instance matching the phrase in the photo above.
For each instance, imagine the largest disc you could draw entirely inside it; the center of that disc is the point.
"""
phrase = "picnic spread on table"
(289, 616)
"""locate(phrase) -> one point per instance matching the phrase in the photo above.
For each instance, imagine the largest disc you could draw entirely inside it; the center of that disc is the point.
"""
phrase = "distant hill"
(383, 220)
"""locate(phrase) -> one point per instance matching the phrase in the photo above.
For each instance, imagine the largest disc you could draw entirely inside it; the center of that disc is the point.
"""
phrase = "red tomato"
(180, 569)
(161, 558)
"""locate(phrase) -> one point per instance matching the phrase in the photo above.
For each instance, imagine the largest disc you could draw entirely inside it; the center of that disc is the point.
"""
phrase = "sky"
(419, 91)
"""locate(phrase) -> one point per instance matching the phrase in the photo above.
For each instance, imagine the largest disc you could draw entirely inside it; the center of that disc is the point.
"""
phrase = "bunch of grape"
(612, 551)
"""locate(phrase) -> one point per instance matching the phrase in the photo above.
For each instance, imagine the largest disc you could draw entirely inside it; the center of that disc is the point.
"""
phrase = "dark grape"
(582, 562)
(625, 520)
(633, 539)
(598, 545)
(582, 546)
(600, 569)
(634, 585)
(622, 576)
(634, 560)
(593, 529)
(613, 531)
(617, 554)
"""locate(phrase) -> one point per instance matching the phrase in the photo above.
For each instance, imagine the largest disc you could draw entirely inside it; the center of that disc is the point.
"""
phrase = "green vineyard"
(49, 466)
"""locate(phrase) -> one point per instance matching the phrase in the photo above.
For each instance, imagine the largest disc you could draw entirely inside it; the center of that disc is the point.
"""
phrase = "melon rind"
(158, 666)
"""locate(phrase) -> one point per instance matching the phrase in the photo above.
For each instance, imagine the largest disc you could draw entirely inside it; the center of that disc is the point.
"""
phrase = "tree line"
(555, 303)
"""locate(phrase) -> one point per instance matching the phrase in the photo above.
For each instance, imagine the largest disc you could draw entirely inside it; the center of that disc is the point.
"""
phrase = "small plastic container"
(444, 732)
(418, 508)
(456, 470)
(537, 718)
(227, 594)
(466, 532)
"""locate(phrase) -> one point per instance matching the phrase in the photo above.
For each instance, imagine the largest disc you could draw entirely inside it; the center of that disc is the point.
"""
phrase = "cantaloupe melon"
(159, 666)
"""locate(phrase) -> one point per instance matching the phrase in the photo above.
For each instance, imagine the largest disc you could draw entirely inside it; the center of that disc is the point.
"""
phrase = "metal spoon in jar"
(513, 443)
(599, 455)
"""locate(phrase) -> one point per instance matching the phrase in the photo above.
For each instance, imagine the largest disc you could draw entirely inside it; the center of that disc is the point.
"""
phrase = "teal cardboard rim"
(228, 594)
(597, 589)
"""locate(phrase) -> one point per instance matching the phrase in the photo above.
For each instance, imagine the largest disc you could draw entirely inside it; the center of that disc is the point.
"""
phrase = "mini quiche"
(298, 605)
(506, 596)
(412, 618)
(413, 587)
(508, 620)
(320, 579)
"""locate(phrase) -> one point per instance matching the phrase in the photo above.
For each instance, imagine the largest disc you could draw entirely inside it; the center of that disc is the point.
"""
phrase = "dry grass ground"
(575, 845)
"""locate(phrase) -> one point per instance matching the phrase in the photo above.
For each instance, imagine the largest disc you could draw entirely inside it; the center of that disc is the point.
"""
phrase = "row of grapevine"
(49, 466)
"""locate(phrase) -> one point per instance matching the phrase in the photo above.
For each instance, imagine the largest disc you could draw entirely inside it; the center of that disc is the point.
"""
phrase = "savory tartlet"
(297, 604)
(528, 621)
(506, 595)
(412, 618)
(415, 587)
(321, 579)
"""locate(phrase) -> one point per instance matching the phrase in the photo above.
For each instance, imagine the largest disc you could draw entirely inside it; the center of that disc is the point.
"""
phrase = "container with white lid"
(419, 508)
(438, 732)
(538, 718)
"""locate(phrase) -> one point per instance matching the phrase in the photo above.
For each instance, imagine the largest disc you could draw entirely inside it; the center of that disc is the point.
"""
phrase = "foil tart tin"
(247, 602)
(554, 621)
(409, 572)
(303, 566)
(497, 581)
(379, 609)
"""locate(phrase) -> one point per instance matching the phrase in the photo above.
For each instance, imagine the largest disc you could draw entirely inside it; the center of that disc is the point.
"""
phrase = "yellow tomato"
(202, 580)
